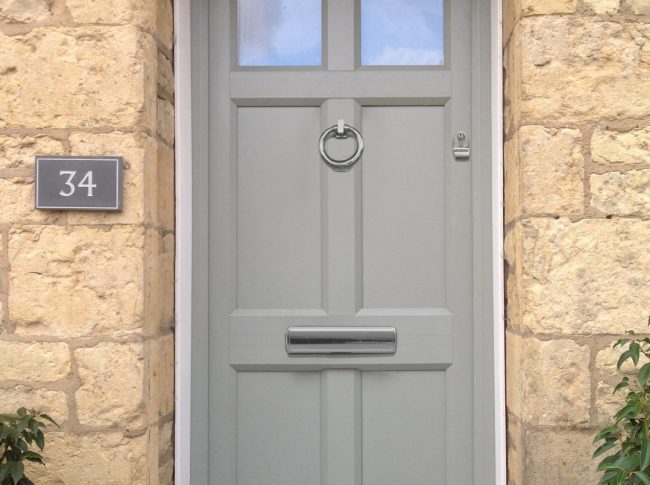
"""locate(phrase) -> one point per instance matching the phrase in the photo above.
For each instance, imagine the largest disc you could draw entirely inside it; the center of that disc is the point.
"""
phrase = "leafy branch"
(18, 433)
(628, 437)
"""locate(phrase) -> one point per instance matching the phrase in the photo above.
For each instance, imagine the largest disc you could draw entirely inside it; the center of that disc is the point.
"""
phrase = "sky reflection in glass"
(402, 32)
(279, 32)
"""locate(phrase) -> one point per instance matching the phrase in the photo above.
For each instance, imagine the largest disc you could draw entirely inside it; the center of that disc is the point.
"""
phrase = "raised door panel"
(404, 421)
(403, 207)
(278, 208)
(278, 428)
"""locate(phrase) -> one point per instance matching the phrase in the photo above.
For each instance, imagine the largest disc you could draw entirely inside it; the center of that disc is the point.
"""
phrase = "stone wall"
(86, 299)
(577, 211)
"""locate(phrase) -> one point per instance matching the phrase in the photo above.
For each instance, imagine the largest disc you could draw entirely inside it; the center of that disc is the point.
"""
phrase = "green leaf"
(626, 411)
(32, 456)
(40, 440)
(5, 468)
(643, 477)
(608, 445)
(608, 476)
(644, 374)
(604, 433)
(621, 342)
(621, 385)
(629, 463)
(645, 453)
(22, 424)
(21, 412)
(621, 360)
(48, 418)
(17, 471)
(634, 352)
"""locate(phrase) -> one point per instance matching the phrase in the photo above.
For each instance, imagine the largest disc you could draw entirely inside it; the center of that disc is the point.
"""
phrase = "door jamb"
(187, 184)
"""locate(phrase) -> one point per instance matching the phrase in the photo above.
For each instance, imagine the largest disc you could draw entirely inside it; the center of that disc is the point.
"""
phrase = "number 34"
(86, 183)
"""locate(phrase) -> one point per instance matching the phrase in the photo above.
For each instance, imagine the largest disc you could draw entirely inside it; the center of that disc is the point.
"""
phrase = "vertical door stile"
(222, 196)
(459, 244)
(341, 389)
(341, 427)
(342, 213)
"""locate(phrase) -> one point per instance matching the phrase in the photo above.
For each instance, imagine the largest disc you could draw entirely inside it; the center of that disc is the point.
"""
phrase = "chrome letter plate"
(341, 340)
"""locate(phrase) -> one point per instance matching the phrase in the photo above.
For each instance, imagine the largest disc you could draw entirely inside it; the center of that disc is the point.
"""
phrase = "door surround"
(190, 25)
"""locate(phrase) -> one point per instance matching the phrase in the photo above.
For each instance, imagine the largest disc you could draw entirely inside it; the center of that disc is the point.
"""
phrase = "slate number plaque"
(79, 183)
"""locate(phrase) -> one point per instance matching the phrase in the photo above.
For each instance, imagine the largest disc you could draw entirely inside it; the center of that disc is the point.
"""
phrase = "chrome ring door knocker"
(341, 131)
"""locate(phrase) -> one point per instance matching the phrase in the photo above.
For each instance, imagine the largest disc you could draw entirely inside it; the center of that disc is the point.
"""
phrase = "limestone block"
(111, 391)
(24, 11)
(515, 450)
(587, 277)
(513, 309)
(617, 193)
(576, 69)
(166, 438)
(165, 74)
(103, 76)
(166, 473)
(34, 362)
(512, 59)
(535, 7)
(554, 382)
(511, 172)
(613, 147)
(139, 151)
(639, 7)
(511, 11)
(159, 281)
(136, 12)
(18, 151)
(603, 7)
(18, 202)
(160, 191)
(53, 403)
(607, 403)
(513, 373)
(513, 277)
(92, 459)
(166, 121)
(160, 356)
(560, 457)
(76, 281)
(552, 169)
(165, 23)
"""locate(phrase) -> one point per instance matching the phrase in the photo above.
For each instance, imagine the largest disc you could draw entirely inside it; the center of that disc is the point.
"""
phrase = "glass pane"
(402, 32)
(279, 32)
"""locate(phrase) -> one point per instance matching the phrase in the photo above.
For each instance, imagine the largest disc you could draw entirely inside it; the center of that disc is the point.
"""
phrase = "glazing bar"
(341, 340)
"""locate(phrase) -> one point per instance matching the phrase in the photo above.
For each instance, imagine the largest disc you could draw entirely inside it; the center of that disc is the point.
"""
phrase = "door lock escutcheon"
(460, 146)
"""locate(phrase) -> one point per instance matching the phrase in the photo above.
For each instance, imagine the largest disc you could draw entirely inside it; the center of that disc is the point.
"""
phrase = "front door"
(341, 292)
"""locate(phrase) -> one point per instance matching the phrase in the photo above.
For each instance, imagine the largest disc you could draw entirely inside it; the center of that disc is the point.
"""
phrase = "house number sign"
(79, 183)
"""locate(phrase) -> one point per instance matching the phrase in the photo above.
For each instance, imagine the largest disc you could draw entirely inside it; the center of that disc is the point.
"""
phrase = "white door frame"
(184, 230)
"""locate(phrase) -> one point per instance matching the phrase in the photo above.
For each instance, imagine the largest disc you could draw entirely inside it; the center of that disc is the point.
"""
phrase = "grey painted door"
(293, 242)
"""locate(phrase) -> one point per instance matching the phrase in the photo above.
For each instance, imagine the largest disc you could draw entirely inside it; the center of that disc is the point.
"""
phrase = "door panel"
(404, 428)
(278, 427)
(404, 207)
(295, 243)
(278, 208)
